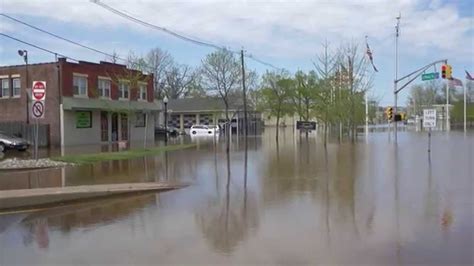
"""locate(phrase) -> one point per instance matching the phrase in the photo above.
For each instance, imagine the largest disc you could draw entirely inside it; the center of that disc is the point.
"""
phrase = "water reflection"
(35, 227)
(292, 202)
(227, 220)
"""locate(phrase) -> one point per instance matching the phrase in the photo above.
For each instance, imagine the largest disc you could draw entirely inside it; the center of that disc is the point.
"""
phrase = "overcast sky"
(287, 34)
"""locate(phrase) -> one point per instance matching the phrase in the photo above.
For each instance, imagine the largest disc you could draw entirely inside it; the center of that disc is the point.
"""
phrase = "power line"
(262, 62)
(70, 41)
(144, 23)
(57, 36)
(37, 47)
(177, 35)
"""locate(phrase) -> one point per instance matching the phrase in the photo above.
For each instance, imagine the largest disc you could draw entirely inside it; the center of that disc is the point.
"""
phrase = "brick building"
(86, 103)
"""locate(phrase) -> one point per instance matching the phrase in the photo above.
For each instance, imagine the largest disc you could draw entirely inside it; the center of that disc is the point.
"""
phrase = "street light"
(24, 54)
(165, 101)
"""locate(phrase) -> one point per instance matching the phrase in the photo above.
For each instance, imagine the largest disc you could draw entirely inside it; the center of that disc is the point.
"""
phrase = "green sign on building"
(83, 119)
(430, 76)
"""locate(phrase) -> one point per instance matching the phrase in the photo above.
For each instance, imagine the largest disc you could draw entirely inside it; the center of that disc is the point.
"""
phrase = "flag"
(468, 76)
(454, 82)
(369, 54)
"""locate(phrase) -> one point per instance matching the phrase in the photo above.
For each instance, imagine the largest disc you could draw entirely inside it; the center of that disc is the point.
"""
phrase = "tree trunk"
(227, 128)
(277, 125)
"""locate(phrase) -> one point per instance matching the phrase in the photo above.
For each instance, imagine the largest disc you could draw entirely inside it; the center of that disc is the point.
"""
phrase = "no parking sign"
(38, 94)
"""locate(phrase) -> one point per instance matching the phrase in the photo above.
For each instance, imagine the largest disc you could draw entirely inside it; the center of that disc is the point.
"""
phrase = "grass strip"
(118, 155)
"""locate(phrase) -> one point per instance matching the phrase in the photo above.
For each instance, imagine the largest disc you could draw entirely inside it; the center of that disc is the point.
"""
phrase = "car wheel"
(2, 147)
(22, 150)
(194, 132)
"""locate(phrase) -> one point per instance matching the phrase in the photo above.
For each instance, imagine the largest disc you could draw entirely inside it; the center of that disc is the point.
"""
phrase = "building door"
(104, 126)
(124, 126)
(114, 127)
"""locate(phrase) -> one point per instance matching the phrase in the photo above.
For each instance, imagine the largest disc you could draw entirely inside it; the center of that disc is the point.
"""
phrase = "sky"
(287, 34)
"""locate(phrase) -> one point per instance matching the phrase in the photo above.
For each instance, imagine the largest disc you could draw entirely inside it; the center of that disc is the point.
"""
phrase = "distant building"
(86, 103)
(183, 113)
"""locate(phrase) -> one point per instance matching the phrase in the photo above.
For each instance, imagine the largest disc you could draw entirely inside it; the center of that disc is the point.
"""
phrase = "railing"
(27, 131)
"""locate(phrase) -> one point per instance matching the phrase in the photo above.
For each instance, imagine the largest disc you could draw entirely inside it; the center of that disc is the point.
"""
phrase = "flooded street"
(294, 202)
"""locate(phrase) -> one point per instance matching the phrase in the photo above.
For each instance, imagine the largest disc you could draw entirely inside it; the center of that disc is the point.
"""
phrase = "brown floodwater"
(292, 203)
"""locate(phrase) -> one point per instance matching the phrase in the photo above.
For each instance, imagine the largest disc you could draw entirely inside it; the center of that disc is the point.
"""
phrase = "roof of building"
(204, 104)
(22, 65)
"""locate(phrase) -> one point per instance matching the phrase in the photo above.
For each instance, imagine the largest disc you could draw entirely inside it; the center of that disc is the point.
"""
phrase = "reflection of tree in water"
(67, 218)
(225, 221)
(291, 169)
(344, 183)
(328, 176)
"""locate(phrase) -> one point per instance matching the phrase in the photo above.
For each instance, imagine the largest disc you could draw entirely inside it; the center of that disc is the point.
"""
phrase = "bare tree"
(221, 74)
(179, 81)
(158, 62)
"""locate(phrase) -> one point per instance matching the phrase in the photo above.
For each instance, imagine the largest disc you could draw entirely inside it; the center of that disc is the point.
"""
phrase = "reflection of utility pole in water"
(328, 228)
(245, 181)
(397, 205)
(227, 198)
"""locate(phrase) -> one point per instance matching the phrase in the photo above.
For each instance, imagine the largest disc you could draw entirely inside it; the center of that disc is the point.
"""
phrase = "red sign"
(39, 90)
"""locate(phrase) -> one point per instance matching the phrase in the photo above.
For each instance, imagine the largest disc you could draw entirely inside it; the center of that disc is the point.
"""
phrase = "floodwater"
(291, 203)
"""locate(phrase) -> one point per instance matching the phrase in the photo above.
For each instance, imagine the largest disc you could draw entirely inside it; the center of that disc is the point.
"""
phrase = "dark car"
(172, 131)
(11, 142)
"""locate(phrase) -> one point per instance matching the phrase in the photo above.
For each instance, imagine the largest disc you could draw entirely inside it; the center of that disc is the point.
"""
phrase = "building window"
(140, 120)
(5, 91)
(124, 90)
(80, 85)
(104, 88)
(16, 87)
(143, 93)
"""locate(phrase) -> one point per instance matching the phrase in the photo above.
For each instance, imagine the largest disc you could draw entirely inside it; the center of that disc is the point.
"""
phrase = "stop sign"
(39, 90)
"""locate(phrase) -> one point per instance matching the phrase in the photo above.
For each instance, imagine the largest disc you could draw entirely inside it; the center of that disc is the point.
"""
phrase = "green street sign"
(430, 76)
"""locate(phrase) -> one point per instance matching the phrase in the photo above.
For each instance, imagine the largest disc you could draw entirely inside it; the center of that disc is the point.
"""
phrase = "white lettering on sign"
(429, 118)
(39, 90)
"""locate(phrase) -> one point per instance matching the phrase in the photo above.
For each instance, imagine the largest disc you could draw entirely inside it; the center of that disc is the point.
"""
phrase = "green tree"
(276, 94)
(221, 75)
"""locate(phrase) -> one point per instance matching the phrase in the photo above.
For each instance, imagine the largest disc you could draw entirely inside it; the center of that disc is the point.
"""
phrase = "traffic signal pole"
(415, 75)
(395, 94)
(448, 125)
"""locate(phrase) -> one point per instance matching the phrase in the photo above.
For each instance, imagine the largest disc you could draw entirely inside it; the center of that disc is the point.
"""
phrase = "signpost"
(429, 121)
(38, 94)
(306, 125)
(430, 76)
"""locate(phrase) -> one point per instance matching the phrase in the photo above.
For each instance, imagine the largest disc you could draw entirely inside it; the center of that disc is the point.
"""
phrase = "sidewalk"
(22, 198)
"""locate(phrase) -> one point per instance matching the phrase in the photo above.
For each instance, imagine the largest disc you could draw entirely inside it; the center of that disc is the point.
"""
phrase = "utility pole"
(395, 94)
(464, 87)
(244, 93)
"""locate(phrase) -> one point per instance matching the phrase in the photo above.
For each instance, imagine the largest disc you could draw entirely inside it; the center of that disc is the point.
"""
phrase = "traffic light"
(389, 112)
(449, 72)
(403, 116)
(397, 117)
(443, 71)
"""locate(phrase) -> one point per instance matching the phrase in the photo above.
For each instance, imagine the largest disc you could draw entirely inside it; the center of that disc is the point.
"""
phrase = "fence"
(27, 131)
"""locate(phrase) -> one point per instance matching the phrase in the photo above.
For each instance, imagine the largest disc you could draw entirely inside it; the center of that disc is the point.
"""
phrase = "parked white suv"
(203, 130)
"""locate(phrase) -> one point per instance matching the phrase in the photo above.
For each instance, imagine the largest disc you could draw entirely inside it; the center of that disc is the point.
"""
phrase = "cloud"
(279, 25)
